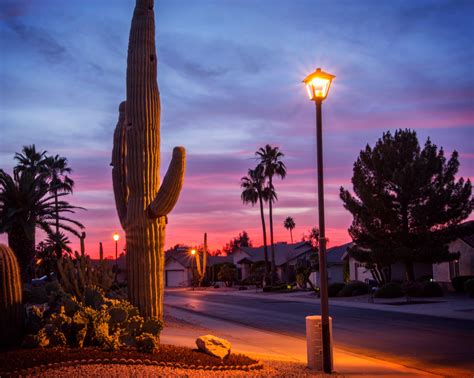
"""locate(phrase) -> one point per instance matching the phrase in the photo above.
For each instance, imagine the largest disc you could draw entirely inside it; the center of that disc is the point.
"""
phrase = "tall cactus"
(11, 312)
(201, 267)
(142, 205)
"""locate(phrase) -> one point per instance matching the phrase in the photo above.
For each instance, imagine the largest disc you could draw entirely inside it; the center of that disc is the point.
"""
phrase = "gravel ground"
(271, 369)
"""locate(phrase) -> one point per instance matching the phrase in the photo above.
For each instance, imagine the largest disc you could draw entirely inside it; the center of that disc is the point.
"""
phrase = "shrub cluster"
(469, 287)
(96, 321)
(335, 288)
(353, 288)
(390, 290)
(459, 282)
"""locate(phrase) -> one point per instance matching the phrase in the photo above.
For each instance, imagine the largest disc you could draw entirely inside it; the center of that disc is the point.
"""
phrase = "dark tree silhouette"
(289, 224)
(242, 240)
(270, 161)
(406, 203)
(254, 191)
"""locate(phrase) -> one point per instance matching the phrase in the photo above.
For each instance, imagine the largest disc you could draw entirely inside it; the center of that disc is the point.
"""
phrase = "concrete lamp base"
(314, 342)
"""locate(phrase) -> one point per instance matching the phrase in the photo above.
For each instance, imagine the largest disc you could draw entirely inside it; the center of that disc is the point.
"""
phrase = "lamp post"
(116, 239)
(317, 85)
(193, 254)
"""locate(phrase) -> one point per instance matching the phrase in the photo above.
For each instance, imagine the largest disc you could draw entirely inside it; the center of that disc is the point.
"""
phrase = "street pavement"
(434, 344)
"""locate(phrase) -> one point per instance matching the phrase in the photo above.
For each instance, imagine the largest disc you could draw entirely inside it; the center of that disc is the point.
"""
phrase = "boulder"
(213, 345)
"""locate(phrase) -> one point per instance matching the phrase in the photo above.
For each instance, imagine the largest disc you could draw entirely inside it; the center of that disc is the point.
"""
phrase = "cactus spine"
(142, 205)
(201, 268)
(11, 312)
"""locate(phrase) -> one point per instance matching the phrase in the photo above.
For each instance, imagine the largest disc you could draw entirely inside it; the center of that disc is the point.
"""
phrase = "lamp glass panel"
(320, 87)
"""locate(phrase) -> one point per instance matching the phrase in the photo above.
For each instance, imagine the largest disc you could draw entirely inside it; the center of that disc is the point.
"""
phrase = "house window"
(453, 268)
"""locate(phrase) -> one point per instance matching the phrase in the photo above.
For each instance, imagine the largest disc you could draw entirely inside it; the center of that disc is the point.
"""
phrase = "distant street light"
(116, 238)
(317, 85)
(193, 253)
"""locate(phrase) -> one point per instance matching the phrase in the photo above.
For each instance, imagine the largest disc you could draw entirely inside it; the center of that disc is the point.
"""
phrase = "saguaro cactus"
(11, 313)
(201, 267)
(142, 205)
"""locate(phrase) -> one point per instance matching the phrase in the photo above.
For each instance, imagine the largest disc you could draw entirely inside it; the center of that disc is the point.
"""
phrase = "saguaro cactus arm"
(170, 189)
(119, 173)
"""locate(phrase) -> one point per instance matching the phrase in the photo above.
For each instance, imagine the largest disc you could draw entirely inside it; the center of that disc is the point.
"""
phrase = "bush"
(353, 288)
(422, 289)
(469, 287)
(95, 321)
(335, 288)
(390, 290)
(459, 281)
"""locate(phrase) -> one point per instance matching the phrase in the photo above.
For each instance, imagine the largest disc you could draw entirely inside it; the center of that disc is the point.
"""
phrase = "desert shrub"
(459, 281)
(243, 288)
(147, 343)
(227, 273)
(413, 289)
(422, 289)
(353, 288)
(95, 321)
(432, 289)
(335, 288)
(35, 294)
(389, 290)
(469, 287)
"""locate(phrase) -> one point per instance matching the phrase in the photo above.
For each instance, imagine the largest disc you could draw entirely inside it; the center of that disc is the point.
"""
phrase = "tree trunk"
(271, 234)
(264, 229)
(291, 235)
(410, 272)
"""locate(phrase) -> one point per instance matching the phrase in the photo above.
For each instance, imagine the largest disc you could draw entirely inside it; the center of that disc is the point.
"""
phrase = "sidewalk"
(272, 346)
(453, 307)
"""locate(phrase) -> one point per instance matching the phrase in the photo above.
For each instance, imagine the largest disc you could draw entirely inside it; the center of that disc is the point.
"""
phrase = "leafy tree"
(312, 237)
(270, 161)
(26, 203)
(242, 240)
(254, 191)
(228, 274)
(289, 224)
(406, 203)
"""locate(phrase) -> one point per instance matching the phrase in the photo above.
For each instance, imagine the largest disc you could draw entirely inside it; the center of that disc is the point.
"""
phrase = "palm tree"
(289, 224)
(26, 203)
(253, 191)
(29, 160)
(57, 169)
(270, 161)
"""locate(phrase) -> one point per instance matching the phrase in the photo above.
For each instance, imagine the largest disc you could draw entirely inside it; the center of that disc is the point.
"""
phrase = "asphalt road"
(438, 345)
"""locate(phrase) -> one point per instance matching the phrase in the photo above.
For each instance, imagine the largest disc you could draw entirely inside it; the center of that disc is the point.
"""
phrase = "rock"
(213, 345)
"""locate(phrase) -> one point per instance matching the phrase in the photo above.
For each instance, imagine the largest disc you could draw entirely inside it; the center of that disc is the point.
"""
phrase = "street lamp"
(317, 86)
(116, 239)
(193, 254)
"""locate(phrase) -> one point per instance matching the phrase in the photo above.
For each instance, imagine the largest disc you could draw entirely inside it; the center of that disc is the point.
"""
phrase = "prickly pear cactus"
(11, 314)
(142, 204)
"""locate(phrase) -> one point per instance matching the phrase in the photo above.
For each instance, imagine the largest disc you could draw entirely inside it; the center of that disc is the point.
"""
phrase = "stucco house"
(335, 260)
(464, 266)
(286, 259)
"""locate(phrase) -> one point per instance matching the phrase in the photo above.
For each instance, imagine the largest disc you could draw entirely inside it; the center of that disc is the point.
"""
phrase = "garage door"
(175, 278)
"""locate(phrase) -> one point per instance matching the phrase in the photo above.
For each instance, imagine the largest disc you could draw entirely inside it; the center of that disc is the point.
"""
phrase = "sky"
(229, 73)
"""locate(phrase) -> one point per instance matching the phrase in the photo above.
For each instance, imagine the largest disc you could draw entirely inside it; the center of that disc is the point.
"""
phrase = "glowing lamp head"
(193, 252)
(317, 84)
(116, 237)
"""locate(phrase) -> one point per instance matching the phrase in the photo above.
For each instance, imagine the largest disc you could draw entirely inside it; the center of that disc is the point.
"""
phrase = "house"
(286, 259)
(178, 267)
(464, 266)
(335, 260)
(359, 272)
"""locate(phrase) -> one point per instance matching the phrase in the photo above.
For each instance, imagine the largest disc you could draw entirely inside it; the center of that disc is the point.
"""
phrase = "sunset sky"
(229, 73)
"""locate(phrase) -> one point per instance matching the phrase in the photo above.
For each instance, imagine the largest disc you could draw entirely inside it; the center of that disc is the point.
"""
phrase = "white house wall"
(466, 262)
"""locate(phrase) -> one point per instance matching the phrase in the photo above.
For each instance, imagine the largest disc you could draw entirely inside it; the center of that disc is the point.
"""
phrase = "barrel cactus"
(11, 311)
(142, 204)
